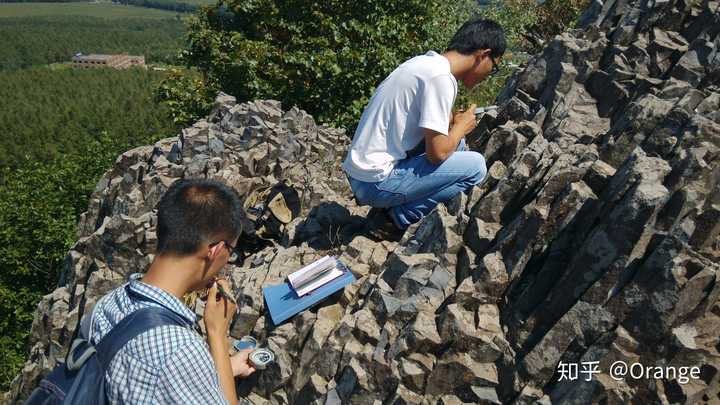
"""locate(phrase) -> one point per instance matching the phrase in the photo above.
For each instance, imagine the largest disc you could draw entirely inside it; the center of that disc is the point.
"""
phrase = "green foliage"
(41, 1)
(161, 3)
(200, 2)
(17, 306)
(514, 16)
(46, 114)
(555, 16)
(29, 41)
(529, 23)
(39, 207)
(326, 57)
(70, 125)
(186, 96)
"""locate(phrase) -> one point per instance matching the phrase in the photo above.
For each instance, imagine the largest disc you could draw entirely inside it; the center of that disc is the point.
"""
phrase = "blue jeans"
(415, 186)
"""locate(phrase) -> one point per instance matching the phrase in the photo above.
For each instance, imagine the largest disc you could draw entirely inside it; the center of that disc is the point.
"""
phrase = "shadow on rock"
(328, 226)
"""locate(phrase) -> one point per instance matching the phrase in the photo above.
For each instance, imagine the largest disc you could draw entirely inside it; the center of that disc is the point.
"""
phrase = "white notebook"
(314, 275)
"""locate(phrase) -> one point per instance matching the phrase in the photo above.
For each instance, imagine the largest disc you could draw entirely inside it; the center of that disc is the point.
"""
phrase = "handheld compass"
(261, 358)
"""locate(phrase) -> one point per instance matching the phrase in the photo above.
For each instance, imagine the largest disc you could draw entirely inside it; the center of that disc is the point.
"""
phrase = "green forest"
(30, 41)
(62, 128)
(48, 114)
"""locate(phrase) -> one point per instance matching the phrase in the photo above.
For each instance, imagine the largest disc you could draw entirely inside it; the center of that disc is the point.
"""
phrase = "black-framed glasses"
(231, 250)
(495, 67)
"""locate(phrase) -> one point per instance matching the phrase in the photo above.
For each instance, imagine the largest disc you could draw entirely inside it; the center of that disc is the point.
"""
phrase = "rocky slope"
(594, 237)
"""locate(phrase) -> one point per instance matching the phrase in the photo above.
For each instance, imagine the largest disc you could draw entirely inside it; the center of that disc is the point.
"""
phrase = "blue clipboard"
(283, 302)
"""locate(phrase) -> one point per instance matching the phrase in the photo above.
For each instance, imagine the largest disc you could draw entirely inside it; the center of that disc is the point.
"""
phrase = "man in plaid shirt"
(199, 222)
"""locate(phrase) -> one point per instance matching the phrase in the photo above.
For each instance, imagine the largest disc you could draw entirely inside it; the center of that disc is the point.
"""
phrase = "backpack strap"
(130, 327)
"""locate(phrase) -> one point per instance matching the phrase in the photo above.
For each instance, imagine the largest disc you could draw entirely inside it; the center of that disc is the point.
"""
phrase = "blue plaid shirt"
(167, 364)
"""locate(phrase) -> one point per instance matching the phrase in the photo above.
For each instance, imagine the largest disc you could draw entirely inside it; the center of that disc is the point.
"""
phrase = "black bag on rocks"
(271, 208)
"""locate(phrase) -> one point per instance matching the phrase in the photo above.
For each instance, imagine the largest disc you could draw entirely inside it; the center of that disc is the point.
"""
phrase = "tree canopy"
(326, 57)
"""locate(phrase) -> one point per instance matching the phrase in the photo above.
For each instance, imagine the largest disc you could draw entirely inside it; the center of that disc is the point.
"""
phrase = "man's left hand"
(465, 120)
(240, 362)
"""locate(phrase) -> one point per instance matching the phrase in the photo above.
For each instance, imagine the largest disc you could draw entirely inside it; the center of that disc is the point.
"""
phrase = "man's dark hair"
(477, 34)
(197, 211)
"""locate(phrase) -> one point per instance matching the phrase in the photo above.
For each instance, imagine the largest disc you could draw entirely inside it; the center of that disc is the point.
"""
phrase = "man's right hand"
(219, 311)
(217, 316)
(465, 121)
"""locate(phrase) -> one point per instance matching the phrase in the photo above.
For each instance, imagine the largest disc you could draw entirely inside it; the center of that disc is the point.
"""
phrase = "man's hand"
(465, 121)
(217, 316)
(219, 310)
(439, 147)
(453, 116)
(241, 366)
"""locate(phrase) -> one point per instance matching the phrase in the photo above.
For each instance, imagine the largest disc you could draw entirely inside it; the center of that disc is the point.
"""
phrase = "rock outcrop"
(592, 240)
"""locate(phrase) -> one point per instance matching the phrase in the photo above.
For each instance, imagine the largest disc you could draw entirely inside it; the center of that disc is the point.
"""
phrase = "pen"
(225, 294)
(317, 276)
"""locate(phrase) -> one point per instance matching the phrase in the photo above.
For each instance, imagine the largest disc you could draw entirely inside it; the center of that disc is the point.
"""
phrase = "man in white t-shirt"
(408, 154)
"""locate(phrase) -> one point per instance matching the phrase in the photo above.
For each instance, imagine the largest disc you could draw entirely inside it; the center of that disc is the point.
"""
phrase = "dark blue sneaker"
(380, 226)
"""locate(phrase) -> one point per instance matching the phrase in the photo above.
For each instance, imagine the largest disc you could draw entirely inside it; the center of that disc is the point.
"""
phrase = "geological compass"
(483, 110)
(260, 358)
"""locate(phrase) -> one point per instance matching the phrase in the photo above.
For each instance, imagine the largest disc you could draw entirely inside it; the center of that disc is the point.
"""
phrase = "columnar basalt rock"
(593, 238)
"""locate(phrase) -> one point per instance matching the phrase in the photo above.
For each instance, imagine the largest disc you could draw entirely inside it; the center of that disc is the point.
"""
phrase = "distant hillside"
(181, 6)
(105, 10)
(39, 40)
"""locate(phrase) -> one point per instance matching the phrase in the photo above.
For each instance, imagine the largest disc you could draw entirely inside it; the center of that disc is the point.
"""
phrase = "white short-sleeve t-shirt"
(418, 94)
